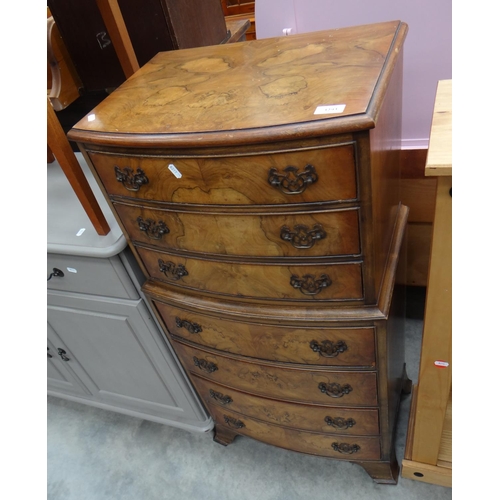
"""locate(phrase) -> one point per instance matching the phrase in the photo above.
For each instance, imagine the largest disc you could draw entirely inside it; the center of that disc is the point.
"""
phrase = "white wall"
(427, 51)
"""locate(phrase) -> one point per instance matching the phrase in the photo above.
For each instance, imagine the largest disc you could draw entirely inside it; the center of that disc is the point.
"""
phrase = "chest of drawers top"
(268, 90)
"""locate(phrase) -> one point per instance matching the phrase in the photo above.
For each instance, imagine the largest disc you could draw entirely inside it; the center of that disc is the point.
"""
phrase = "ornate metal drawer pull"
(309, 285)
(172, 271)
(232, 422)
(346, 448)
(205, 365)
(62, 353)
(303, 237)
(340, 423)
(190, 327)
(292, 182)
(220, 398)
(334, 390)
(328, 349)
(154, 230)
(131, 181)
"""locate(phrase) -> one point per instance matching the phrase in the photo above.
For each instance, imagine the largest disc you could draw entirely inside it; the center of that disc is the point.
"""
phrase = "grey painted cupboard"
(104, 347)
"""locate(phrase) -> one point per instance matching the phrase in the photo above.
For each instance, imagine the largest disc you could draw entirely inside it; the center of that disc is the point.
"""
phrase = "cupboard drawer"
(342, 281)
(91, 275)
(305, 176)
(360, 422)
(335, 232)
(327, 445)
(328, 387)
(288, 344)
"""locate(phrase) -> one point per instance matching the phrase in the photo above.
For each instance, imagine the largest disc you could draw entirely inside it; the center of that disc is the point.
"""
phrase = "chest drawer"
(340, 388)
(315, 346)
(305, 176)
(330, 233)
(327, 445)
(342, 281)
(329, 420)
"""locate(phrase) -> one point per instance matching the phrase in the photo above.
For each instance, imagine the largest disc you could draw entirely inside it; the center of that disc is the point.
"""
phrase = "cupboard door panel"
(116, 351)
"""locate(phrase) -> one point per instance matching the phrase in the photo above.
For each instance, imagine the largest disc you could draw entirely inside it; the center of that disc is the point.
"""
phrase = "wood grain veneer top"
(247, 92)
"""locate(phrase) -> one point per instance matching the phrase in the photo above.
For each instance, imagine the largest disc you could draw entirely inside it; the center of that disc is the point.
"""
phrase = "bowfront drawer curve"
(329, 420)
(306, 176)
(327, 445)
(287, 344)
(343, 388)
(328, 233)
(339, 281)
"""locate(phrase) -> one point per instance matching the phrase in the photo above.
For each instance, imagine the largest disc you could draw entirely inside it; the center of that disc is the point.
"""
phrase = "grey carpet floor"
(93, 454)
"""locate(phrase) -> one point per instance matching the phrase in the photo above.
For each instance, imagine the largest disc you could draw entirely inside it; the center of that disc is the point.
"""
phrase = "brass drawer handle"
(334, 390)
(206, 366)
(220, 398)
(340, 423)
(190, 327)
(131, 181)
(172, 271)
(232, 422)
(309, 285)
(292, 182)
(302, 237)
(154, 230)
(346, 448)
(328, 349)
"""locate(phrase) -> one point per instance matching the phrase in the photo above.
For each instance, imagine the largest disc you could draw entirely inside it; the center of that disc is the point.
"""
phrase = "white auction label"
(82, 230)
(332, 109)
(71, 269)
(174, 170)
(441, 364)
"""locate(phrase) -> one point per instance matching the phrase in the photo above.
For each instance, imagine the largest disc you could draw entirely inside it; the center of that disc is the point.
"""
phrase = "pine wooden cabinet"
(428, 454)
(258, 187)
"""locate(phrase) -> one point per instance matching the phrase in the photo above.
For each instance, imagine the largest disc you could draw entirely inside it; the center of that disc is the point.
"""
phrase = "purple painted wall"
(427, 51)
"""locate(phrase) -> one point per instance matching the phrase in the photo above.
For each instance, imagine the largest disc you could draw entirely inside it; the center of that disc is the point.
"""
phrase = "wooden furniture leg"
(113, 19)
(223, 435)
(382, 472)
(61, 148)
(50, 156)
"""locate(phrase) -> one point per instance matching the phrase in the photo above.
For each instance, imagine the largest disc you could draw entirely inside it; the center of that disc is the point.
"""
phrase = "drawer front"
(341, 447)
(257, 280)
(339, 388)
(328, 420)
(287, 235)
(316, 175)
(91, 275)
(315, 346)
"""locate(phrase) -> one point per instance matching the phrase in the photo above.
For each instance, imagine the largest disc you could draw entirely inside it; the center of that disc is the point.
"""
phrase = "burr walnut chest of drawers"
(257, 185)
